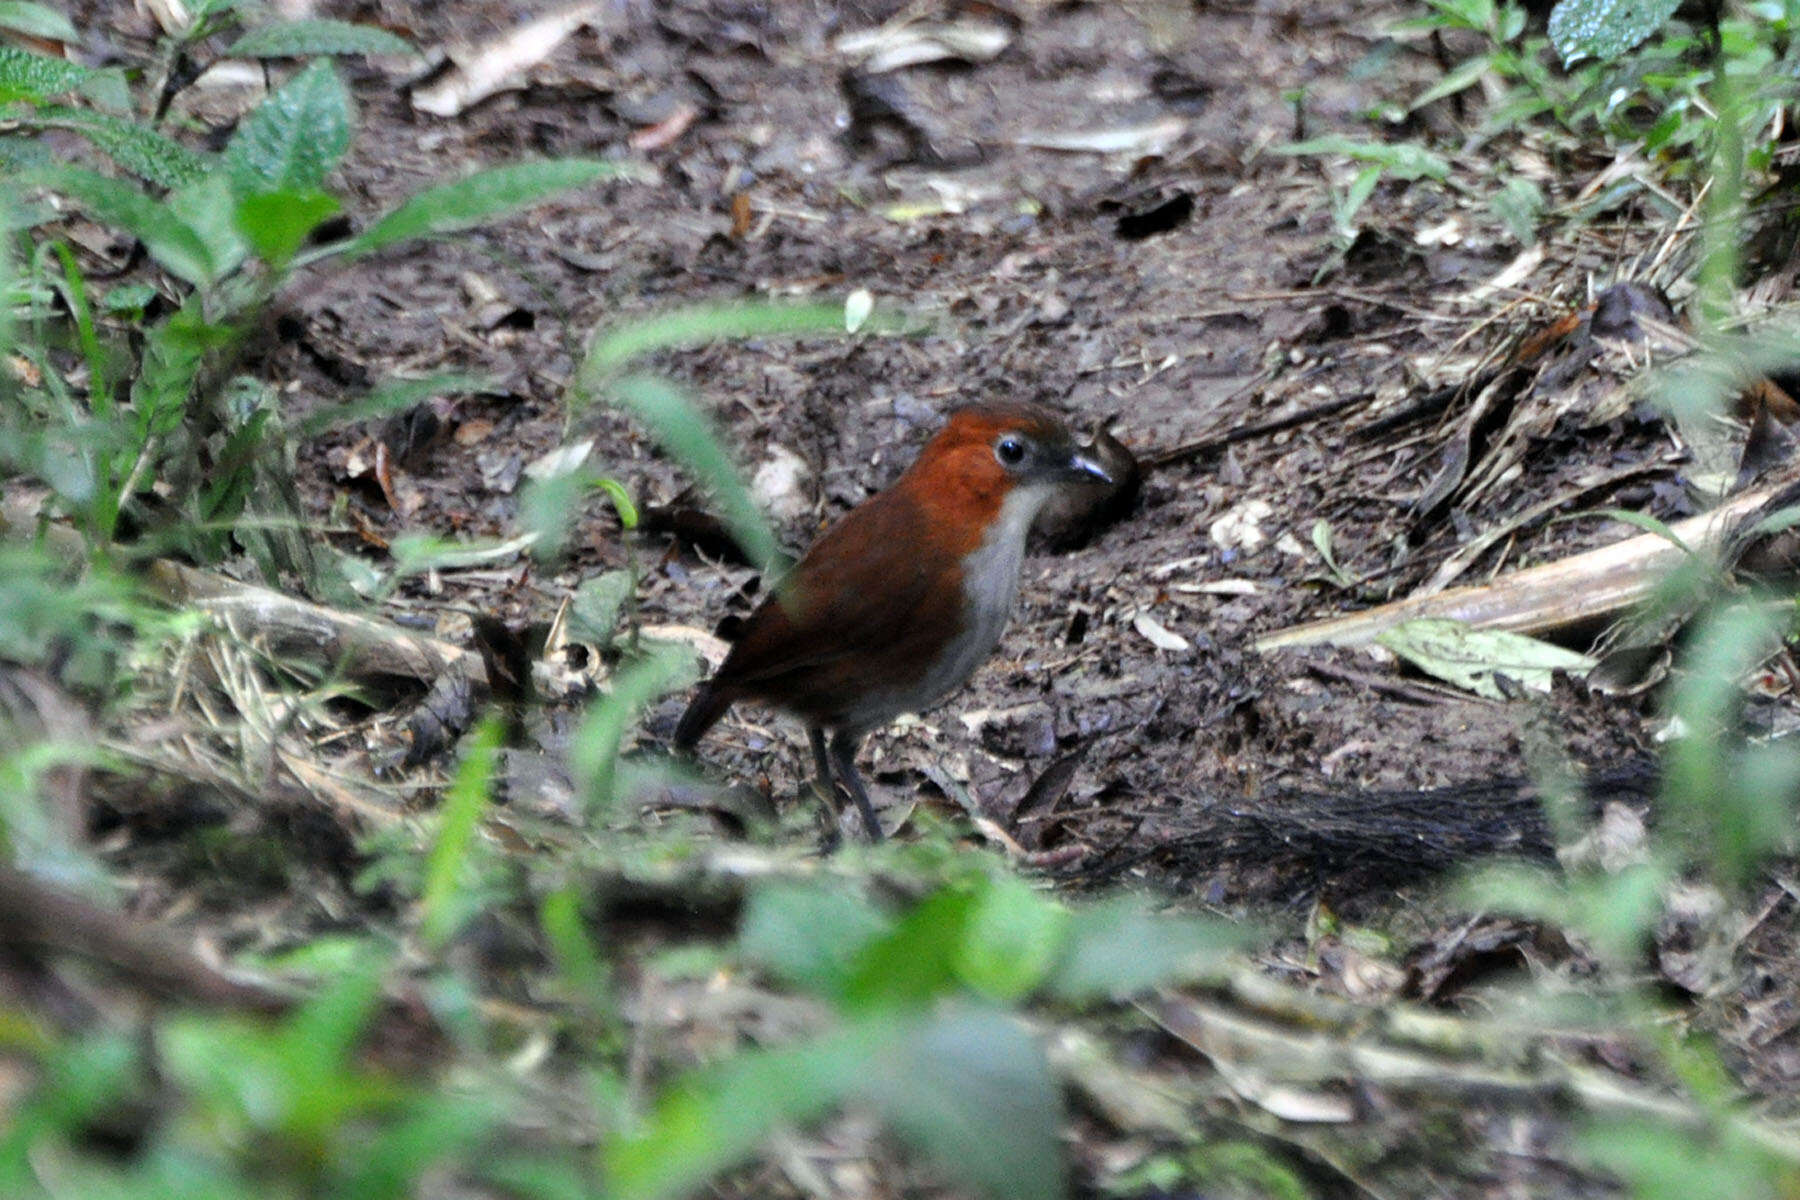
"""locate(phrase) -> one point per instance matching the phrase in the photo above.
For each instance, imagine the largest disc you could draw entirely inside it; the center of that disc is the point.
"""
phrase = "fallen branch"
(36, 916)
(1585, 587)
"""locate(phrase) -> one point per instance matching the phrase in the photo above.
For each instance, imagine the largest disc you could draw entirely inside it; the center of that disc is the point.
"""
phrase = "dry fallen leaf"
(1158, 634)
(480, 73)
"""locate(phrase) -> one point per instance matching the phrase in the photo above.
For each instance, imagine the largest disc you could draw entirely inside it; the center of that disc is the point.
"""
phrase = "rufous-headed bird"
(898, 603)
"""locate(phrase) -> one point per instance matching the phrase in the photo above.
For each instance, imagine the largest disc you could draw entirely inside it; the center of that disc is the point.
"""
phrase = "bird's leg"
(826, 789)
(843, 755)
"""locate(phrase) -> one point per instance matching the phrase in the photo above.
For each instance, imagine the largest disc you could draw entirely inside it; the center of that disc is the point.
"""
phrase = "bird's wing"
(864, 588)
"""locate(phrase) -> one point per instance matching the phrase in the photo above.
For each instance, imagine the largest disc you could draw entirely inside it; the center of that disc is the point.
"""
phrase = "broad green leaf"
(303, 39)
(1605, 29)
(915, 963)
(27, 76)
(686, 435)
(809, 937)
(138, 148)
(38, 20)
(1470, 658)
(117, 203)
(295, 137)
(208, 207)
(1116, 949)
(276, 223)
(1011, 940)
(462, 203)
(969, 1087)
(1404, 159)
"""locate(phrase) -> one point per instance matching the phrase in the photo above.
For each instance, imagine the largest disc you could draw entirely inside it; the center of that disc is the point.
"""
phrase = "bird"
(894, 607)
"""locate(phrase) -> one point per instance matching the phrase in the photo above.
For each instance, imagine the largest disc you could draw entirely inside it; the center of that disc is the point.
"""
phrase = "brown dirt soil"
(1241, 312)
(1209, 325)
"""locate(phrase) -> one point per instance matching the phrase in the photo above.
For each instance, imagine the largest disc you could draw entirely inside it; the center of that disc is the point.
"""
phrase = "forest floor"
(1099, 218)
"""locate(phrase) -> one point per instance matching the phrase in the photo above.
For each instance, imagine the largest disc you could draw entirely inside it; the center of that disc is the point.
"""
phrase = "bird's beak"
(1084, 469)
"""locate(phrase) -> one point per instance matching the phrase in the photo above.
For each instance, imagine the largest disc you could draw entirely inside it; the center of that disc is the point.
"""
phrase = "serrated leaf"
(117, 203)
(303, 39)
(1470, 658)
(449, 207)
(37, 77)
(139, 149)
(208, 208)
(38, 20)
(294, 138)
(1605, 29)
(276, 223)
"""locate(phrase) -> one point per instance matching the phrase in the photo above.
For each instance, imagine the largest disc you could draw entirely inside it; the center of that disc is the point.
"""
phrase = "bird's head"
(1022, 445)
(1000, 462)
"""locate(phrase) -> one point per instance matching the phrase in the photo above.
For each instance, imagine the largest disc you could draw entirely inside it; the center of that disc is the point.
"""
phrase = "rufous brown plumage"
(898, 603)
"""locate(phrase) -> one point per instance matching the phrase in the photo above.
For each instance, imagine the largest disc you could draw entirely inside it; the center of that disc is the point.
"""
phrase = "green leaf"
(392, 396)
(594, 612)
(117, 203)
(916, 963)
(594, 756)
(681, 431)
(699, 325)
(464, 803)
(809, 937)
(715, 1119)
(37, 77)
(304, 39)
(1520, 204)
(1470, 658)
(276, 223)
(1116, 950)
(294, 138)
(970, 1088)
(1463, 76)
(208, 207)
(38, 20)
(1011, 940)
(1404, 159)
(464, 202)
(1605, 29)
(139, 149)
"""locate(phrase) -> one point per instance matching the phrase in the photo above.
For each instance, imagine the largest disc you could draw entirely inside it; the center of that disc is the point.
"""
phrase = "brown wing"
(862, 610)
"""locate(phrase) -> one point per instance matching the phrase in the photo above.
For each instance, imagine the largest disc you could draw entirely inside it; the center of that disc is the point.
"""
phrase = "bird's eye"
(1010, 451)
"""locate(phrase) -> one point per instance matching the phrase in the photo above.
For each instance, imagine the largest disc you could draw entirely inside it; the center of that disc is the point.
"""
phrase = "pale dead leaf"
(1158, 634)
(480, 72)
(1150, 138)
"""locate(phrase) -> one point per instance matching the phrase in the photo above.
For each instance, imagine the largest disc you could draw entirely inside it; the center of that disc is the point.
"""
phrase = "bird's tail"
(703, 712)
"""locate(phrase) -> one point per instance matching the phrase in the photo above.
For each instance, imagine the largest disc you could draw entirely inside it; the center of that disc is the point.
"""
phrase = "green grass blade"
(685, 434)
(304, 39)
(462, 203)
